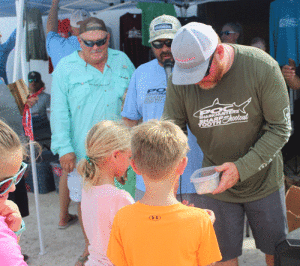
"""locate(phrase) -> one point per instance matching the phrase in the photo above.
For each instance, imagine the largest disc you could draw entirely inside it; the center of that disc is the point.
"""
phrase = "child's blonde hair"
(157, 145)
(104, 138)
(9, 140)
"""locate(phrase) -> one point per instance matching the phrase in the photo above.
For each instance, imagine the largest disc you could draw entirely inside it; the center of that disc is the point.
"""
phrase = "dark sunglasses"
(209, 65)
(33, 80)
(227, 32)
(6, 184)
(160, 44)
(92, 43)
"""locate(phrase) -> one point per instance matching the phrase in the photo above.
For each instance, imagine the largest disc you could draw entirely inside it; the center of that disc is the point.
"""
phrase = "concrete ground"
(63, 247)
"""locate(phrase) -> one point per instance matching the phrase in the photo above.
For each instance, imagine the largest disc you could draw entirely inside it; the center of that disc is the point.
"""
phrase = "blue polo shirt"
(59, 47)
(146, 99)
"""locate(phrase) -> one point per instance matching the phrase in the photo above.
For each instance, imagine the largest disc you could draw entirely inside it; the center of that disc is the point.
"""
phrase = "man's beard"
(162, 59)
(212, 81)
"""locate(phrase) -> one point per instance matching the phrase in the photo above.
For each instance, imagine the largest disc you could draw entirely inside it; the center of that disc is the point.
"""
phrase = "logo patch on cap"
(164, 26)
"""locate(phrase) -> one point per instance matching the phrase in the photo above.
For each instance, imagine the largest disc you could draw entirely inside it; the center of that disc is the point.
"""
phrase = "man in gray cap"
(87, 87)
(57, 46)
(234, 100)
(146, 96)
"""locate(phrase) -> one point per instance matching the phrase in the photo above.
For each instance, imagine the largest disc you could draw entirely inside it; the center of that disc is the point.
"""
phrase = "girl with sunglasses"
(11, 171)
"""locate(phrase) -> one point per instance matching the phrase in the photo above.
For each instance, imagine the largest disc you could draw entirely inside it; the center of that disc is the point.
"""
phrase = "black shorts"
(267, 219)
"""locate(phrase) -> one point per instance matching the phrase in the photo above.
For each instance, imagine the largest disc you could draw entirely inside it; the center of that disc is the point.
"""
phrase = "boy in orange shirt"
(159, 230)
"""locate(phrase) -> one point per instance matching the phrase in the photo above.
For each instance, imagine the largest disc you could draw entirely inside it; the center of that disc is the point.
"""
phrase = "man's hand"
(288, 72)
(68, 162)
(229, 178)
(12, 215)
(32, 101)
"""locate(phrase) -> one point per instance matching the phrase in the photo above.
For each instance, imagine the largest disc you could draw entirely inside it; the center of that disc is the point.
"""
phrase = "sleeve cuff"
(241, 169)
(64, 151)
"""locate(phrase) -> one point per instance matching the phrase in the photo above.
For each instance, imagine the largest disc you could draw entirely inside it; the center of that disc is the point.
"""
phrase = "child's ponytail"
(87, 168)
(104, 138)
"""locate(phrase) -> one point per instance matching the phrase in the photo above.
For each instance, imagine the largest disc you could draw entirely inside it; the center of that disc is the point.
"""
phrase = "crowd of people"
(224, 105)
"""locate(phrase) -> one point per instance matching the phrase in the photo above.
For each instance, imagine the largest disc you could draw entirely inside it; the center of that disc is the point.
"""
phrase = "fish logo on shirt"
(219, 114)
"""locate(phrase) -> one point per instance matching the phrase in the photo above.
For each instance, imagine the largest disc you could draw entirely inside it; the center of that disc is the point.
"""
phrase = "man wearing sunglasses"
(238, 109)
(146, 95)
(232, 32)
(87, 87)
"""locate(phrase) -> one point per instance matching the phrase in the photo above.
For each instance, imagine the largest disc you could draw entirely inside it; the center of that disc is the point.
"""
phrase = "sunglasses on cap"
(209, 65)
(226, 32)
(6, 184)
(92, 43)
(160, 44)
(33, 80)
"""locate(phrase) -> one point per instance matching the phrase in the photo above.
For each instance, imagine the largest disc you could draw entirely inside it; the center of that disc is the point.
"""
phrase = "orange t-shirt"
(173, 235)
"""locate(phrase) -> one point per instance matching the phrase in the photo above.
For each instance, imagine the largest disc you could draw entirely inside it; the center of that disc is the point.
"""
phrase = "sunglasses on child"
(6, 184)
(160, 44)
(227, 32)
(23, 228)
(33, 80)
(92, 43)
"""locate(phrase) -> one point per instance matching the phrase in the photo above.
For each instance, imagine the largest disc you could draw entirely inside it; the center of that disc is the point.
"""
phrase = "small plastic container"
(205, 180)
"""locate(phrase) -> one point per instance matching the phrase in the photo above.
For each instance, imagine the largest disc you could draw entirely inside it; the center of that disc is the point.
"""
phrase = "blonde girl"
(107, 157)
(11, 171)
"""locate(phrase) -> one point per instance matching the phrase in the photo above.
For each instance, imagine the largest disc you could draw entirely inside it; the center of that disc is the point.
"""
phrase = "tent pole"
(19, 13)
(24, 64)
(36, 193)
(17, 61)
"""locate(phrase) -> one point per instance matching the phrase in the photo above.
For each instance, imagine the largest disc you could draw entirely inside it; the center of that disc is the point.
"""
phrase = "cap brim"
(182, 76)
(163, 36)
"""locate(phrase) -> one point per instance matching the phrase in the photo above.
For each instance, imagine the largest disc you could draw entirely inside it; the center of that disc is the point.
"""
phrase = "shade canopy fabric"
(8, 7)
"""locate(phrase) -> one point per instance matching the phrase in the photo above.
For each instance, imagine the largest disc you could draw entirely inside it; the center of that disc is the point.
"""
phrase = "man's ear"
(80, 41)
(181, 166)
(220, 50)
(133, 165)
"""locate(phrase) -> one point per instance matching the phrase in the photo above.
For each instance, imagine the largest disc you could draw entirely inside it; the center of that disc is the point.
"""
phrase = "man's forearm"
(52, 22)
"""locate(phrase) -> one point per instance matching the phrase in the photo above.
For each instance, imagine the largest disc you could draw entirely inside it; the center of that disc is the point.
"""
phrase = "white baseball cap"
(163, 27)
(78, 16)
(192, 47)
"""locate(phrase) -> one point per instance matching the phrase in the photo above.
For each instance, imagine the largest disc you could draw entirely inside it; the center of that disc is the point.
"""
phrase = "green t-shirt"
(245, 119)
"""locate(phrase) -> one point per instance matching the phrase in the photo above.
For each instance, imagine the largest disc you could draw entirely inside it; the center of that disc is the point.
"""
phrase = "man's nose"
(95, 47)
(166, 48)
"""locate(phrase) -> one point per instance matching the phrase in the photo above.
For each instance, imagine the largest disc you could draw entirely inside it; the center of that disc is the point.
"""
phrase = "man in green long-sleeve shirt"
(235, 101)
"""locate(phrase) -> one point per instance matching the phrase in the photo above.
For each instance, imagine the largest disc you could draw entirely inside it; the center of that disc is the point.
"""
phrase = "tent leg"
(36, 193)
